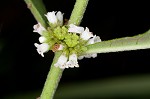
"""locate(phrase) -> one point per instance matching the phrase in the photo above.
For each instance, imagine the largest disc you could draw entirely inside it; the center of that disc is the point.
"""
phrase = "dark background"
(22, 69)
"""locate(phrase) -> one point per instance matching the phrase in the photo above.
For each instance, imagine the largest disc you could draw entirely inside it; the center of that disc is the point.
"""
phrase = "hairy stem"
(141, 41)
(54, 74)
(78, 12)
(52, 80)
(38, 10)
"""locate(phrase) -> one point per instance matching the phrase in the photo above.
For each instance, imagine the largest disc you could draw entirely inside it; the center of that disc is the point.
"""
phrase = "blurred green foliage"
(124, 87)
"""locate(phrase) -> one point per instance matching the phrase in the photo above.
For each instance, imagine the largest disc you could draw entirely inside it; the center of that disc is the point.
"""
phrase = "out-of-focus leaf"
(135, 86)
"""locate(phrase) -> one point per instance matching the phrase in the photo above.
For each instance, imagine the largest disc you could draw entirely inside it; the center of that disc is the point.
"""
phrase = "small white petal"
(94, 55)
(38, 28)
(86, 34)
(61, 63)
(59, 16)
(93, 40)
(42, 39)
(42, 48)
(87, 56)
(75, 29)
(72, 61)
(80, 57)
(91, 55)
(51, 17)
(69, 64)
(97, 39)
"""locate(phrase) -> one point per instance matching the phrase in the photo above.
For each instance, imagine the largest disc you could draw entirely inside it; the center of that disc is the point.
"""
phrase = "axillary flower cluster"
(71, 39)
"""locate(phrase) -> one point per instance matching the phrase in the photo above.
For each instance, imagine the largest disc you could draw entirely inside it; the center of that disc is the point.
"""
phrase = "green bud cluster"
(71, 39)
(60, 35)
(60, 32)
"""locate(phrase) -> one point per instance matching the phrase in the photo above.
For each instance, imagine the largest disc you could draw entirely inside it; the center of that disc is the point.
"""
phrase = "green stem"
(52, 80)
(78, 12)
(141, 41)
(38, 10)
(55, 73)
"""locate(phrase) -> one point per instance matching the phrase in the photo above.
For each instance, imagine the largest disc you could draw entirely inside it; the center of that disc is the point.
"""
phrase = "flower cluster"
(71, 39)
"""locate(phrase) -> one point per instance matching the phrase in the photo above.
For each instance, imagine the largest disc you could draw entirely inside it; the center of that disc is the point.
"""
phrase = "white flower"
(86, 34)
(97, 39)
(93, 40)
(38, 28)
(51, 17)
(80, 57)
(61, 63)
(42, 48)
(75, 29)
(59, 16)
(94, 55)
(90, 55)
(72, 61)
(54, 17)
(42, 39)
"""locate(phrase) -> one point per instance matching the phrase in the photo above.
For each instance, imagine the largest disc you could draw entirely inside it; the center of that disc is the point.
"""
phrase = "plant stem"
(55, 73)
(52, 80)
(38, 10)
(78, 12)
(141, 41)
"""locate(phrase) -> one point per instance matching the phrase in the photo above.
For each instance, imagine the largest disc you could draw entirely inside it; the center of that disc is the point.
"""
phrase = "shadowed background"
(113, 75)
